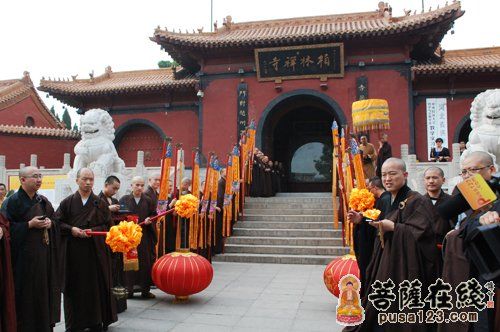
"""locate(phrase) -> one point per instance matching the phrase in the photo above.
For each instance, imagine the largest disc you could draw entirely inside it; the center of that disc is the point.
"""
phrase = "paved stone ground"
(242, 297)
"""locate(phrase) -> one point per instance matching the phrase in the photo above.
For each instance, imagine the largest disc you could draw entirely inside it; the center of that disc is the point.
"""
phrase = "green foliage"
(75, 127)
(53, 110)
(167, 64)
(324, 164)
(66, 118)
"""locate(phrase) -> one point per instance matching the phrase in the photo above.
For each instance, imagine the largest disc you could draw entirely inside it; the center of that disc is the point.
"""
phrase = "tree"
(167, 64)
(324, 164)
(53, 110)
(66, 118)
(75, 127)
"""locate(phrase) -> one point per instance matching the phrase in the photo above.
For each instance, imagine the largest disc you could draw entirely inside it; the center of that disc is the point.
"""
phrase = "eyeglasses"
(473, 170)
(34, 176)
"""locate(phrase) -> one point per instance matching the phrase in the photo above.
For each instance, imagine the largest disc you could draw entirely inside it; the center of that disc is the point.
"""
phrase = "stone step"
(276, 259)
(285, 224)
(288, 199)
(284, 241)
(262, 232)
(286, 250)
(304, 194)
(288, 212)
(291, 218)
(287, 205)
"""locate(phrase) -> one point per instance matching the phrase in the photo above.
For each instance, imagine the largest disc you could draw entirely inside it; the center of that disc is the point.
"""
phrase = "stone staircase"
(291, 228)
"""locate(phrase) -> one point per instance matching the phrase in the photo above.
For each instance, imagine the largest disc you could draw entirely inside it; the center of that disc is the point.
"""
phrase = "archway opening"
(140, 137)
(297, 132)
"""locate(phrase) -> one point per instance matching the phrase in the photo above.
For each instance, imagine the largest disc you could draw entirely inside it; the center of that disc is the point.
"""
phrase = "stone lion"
(96, 149)
(485, 124)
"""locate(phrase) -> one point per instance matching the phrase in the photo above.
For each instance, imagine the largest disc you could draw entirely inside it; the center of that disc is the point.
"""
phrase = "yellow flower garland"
(124, 237)
(361, 200)
(371, 214)
(186, 206)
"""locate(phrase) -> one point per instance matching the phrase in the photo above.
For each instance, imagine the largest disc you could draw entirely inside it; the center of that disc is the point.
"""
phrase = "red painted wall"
(219, 103)
(50, 151)
(17, 114)
(457, 109)
(182, 126)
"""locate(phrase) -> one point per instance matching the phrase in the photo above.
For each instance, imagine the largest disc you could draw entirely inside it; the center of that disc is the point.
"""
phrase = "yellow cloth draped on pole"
(358, 164)
(236, 180)
(335, 134)
(194, 221)
(370, 114)
(228, 196)
(166, 162)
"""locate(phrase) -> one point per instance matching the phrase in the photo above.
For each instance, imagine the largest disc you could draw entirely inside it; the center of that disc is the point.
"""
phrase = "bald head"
(479, 156)
(154, 180)
(85, 181)
(84, 172)
(31, 179)
(396, 162)
(137, 179)
(434, 169)
(478, 162)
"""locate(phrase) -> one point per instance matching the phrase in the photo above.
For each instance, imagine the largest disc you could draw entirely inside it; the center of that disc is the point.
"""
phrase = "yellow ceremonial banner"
(370, 114)
(48, 181)
(477, 192)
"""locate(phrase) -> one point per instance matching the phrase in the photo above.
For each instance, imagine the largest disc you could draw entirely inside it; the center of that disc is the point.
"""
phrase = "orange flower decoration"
(186, 206)
(124, 237)
(361, 200)
(371, 214)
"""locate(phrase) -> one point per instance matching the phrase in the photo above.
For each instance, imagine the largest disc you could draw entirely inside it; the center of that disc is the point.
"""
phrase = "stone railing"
(416, 169)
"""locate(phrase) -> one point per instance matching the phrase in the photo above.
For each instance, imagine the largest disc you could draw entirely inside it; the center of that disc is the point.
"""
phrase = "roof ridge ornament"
(227, 22)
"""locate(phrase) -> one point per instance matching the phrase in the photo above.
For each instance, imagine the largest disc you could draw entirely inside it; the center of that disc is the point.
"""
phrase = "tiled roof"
(462, 61)
(15, 90)
(119, 82)
(306, 29)
(39, 131)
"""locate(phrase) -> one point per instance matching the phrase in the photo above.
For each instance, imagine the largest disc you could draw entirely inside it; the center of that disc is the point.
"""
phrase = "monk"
(384, 153)
(111, 187)
(35, 245)
(88, 302)
(140, 204)
(434, 180)
(7, 304)
(457, 267)
(369, 157)
(153, 189)
(409, 250)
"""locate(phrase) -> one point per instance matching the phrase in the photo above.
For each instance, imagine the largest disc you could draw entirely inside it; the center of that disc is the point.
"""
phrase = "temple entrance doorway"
(297, 132)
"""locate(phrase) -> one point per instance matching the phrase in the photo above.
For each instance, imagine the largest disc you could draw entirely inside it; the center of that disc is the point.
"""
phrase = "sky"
(60, 38)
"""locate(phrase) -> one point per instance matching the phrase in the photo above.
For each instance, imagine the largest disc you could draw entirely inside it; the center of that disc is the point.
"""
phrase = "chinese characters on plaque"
(294, 62)
(437, 121)
(242, 107)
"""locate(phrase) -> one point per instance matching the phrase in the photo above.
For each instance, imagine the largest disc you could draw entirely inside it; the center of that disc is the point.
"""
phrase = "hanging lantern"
(182, 274)
(370, 114)
(338, 268)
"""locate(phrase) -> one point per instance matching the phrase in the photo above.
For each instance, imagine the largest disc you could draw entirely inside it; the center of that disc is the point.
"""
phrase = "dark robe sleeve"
(7, 304)
(221, 190)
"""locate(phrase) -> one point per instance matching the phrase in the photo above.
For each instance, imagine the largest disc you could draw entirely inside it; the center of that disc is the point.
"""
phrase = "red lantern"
(338, 268)
(182, 274)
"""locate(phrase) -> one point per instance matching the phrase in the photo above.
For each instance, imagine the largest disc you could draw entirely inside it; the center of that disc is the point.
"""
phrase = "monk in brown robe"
(7, 304)
(434, 180)
(34, 248)
(457, 266)
(88, 301)
(219, 214)
(369, 157)
(111, 187)
(140, 204)
(409, 251)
